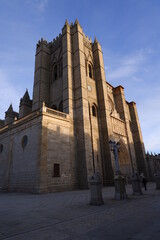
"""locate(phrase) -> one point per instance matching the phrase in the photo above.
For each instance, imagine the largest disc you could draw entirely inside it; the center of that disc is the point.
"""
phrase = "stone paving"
(68, 215)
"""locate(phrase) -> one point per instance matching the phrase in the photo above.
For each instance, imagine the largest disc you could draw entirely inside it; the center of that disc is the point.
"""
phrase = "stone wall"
(153, 165)
(18, 160)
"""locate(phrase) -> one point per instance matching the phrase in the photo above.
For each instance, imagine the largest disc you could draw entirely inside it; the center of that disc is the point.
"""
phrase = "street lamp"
(114, 146)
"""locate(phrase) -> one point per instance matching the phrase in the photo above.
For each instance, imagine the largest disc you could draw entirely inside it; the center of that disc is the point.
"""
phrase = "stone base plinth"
(136, 185)
(120, 189)
(157, 180)
(96, 190)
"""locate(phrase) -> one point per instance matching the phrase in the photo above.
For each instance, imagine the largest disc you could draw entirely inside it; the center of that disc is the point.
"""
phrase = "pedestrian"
(144, 181)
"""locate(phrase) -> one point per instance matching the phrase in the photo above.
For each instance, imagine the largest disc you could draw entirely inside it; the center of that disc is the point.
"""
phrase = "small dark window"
(56, 170)
(61, 106)
(55, 73)
(60, 69)
(1, 148)
(90, 70)
(94, 113)
(54, 107)
(24, 141)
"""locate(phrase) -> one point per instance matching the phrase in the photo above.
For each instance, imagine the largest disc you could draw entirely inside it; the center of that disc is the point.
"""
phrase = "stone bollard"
(136, 184)
(120, 189)
(96, 189)
(157, 180)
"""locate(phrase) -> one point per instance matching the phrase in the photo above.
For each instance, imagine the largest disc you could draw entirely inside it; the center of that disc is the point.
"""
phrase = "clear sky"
(128, 31)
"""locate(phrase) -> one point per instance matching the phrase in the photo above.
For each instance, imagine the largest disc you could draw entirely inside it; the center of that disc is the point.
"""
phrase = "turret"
(25, 106)
(10, 116)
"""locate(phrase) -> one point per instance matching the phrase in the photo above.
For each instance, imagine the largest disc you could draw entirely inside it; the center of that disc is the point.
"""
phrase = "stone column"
(68, 93)
(119, 180)
(104, 118)
(157, 180)
(81, 112)
(42, 75)
(136, 184)
(138, 140)
(96, 189)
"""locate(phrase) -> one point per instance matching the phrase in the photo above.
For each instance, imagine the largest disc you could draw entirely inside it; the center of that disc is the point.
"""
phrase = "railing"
(54, 112)
(33, 115)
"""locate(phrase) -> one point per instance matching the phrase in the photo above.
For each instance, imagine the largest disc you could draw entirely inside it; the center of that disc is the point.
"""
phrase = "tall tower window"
(90, 70)
(55, 75)
(61, 106)
(94, 111)
(54, 107)
(60, 68)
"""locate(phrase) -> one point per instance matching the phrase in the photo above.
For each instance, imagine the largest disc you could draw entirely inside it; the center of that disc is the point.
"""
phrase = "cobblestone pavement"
(68, 215)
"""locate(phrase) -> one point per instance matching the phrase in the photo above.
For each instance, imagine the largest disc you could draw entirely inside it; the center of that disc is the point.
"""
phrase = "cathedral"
(61, 136)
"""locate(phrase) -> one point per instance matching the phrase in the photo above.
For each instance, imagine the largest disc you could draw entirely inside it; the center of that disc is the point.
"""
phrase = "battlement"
(42, 41)
(58, 40)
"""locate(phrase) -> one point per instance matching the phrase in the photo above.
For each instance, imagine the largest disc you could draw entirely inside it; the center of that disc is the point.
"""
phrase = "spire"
(76, 22)
(26, 98)
(66, 22)
(10, 112)
(10, 109)
(95, 40)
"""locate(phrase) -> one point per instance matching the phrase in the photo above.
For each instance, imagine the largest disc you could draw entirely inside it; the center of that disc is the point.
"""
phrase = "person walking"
(144, 181)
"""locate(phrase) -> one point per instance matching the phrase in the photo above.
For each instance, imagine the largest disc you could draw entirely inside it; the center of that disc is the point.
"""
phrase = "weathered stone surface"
(69, 122)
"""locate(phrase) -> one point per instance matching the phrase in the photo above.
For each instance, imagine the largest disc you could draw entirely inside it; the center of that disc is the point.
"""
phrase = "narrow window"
(55, 72)
(94, 111)
(60, 69)
(54, 107)
(56, 170)
(24, 141)
(90, 70)
(61, 106)
(1, 148)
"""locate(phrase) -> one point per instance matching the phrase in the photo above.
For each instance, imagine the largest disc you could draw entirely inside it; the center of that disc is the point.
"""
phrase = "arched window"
(61, 106)
(24, 141)
(90, 70)
(61, 68)
(55, 75)
(94, 110)
(1, 148)
(54, 107)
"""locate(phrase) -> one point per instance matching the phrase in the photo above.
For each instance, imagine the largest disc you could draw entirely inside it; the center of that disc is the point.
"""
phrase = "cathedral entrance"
(124, 159)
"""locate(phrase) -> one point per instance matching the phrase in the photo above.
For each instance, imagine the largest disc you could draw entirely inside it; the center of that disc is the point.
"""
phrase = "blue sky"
(128, 31)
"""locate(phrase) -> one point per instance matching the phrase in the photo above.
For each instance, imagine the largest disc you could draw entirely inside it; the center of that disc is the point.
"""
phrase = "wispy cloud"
(38, 5)
(126, 66)
(139, 75)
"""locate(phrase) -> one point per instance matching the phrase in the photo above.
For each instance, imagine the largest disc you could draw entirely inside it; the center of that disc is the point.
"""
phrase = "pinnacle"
(10, 109)
(76, 22)
(66, 22)
(95, 40)
(26, 95)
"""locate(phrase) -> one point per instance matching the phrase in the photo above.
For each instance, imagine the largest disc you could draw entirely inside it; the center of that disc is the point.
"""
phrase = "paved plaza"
(68, 215)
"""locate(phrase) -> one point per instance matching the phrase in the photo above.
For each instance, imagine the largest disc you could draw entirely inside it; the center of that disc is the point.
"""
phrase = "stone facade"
(153, 165)
(61, 137)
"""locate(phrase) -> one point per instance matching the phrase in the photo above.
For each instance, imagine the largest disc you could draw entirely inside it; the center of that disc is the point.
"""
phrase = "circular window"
(1, 148)
(24, 141)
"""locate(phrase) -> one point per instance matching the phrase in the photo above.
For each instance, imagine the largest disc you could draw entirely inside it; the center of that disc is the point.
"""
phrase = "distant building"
(60, 137)
(153, 165)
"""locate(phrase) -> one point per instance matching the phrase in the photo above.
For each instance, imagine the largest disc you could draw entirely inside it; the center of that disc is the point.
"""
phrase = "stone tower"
(71, 118)
(70, 77)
